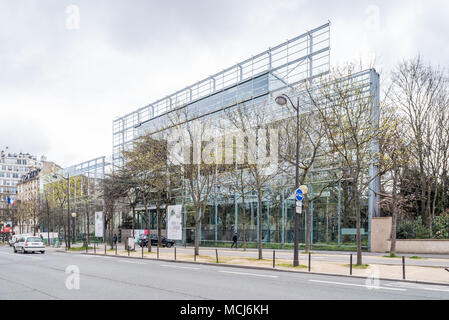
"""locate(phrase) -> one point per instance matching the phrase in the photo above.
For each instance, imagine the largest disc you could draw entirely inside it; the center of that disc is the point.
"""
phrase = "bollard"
(216, 254)
(142, 250)
(127, 243)
(310, 255)
(87, 250)
(158, 252)
(116, 244)
(95, 246)
(350, 265)
(274, 258)
(194, 255)
(175, 253)
(105, 248)
(403, 267)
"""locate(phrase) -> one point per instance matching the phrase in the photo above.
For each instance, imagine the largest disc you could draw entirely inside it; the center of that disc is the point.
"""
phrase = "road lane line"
(416, 286)
(358, 285)
(134, 262)
(250, 274)
(169, 266)
(21, 255)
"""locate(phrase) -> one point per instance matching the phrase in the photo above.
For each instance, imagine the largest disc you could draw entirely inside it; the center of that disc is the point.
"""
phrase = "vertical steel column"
(339, 213)
(216, 215)
(235, 212)
(374, 186)
(283, 216)
(311, 207)
(257, 217)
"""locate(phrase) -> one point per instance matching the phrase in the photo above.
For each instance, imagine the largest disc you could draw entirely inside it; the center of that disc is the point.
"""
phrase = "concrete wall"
(380, 233)
(380, 240)
(421, 246)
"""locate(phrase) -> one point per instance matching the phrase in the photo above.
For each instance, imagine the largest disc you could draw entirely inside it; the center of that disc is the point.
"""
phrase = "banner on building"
(174, 222)
(99, 224)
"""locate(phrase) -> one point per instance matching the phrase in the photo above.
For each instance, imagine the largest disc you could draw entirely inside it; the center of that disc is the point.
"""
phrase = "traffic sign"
(299, 194)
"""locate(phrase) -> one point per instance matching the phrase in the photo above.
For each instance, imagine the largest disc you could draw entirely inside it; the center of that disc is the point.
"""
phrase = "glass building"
(253, 84)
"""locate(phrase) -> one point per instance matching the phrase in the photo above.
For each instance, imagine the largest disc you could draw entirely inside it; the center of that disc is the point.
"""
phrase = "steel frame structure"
(303, 58)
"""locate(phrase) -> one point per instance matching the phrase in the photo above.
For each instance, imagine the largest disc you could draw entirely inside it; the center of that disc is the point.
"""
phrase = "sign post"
(299, 195)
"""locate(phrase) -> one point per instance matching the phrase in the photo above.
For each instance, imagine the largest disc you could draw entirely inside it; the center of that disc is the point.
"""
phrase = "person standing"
(234, 240)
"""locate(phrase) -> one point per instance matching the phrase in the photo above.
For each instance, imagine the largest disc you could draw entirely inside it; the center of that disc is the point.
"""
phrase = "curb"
(260, 268)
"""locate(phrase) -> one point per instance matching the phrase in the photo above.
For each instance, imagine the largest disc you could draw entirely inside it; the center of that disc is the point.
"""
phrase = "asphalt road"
(37, 276)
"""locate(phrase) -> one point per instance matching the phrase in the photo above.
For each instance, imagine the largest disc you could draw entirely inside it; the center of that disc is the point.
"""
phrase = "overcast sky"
(68, 68)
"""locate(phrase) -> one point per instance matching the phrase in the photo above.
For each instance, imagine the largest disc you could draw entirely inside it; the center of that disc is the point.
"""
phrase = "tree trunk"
(148, 223)
(259, 200)
(88, 231)
(358, 236)
(243, 221)
(159, 223)
(134, 219)
(197, 226)
(394, 215)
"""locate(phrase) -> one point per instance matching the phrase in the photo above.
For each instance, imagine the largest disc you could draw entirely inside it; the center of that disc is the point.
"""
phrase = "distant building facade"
(28, 193)
(13, 166)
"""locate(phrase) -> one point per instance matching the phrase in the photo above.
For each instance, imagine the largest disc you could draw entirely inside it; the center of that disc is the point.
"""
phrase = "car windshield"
(34, 239)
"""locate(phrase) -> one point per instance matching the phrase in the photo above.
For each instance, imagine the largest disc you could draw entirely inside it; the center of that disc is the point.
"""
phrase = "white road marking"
(192, 268)
(127, 261)
(21, 255)
(416, 286)
(250, 274)
(357, 285)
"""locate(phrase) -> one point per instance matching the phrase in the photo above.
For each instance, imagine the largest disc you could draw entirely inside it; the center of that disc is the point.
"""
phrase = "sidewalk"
(375, 265)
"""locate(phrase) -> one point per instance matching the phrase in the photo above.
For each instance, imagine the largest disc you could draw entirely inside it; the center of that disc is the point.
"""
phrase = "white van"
(14, 239)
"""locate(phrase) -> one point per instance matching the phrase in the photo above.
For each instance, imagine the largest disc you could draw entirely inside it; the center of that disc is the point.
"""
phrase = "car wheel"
(168, 245)
(42, 252)
(15, 251)
(23, 250)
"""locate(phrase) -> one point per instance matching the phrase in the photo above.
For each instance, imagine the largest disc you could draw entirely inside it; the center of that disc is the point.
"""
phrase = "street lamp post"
(68, 206)
(282, 100)
(74, 226)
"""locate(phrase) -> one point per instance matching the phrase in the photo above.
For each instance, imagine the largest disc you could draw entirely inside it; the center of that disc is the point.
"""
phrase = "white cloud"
(60, 89)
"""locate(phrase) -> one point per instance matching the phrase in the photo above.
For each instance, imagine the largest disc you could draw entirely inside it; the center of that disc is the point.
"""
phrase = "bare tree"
(350, 121)
(421, 93)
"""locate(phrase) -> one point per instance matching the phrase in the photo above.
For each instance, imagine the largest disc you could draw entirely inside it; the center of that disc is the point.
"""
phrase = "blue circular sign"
(299, 195)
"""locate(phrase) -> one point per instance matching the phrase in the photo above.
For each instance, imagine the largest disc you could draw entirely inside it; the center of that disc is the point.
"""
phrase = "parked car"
(29, 244)
(143, 241)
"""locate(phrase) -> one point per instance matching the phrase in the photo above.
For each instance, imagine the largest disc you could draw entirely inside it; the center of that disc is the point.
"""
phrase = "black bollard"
(403, 267)
(350, 265)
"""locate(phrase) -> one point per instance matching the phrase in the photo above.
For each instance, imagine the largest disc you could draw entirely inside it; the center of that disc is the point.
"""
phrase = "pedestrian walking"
(115, 239)
(234, 240)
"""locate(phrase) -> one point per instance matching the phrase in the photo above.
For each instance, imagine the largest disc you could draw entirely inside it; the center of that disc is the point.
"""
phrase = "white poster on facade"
(174, 222)
(99, 224)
